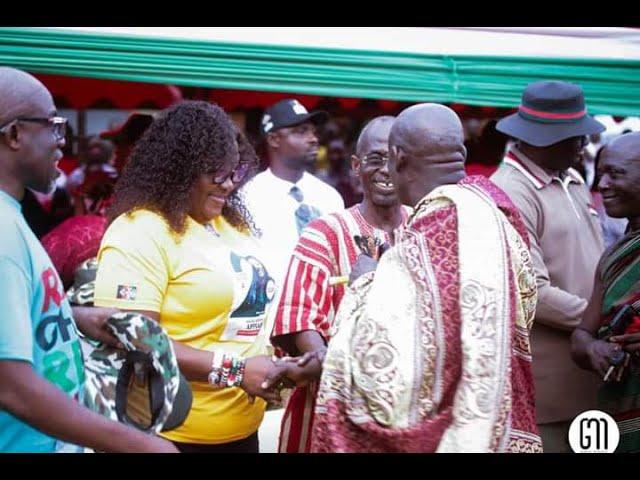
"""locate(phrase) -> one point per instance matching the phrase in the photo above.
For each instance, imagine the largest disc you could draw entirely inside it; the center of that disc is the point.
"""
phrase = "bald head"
(376, 130)
(625, 145)
(425, 127)
(29, 147)
(20, 94)
(427, 150)
(619, 172)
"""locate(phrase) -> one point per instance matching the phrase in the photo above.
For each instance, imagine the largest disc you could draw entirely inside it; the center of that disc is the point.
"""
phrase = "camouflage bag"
(82, 291)
(141, 385)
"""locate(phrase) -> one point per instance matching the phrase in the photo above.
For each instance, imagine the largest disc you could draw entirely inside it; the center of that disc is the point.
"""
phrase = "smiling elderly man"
(314, 285)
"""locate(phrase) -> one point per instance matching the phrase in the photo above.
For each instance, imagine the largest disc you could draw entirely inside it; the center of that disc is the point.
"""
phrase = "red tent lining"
(83, 93)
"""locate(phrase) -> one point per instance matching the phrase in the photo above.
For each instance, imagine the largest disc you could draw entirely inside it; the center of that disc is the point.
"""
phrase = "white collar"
(286, 185)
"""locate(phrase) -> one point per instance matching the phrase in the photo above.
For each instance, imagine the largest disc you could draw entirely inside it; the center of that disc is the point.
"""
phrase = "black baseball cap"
(289, 113)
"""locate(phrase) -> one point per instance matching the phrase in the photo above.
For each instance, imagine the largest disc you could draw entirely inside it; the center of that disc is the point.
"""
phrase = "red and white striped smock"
(325, 249)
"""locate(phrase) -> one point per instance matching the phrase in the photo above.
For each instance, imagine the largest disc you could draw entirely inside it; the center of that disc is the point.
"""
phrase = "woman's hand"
(601, 355)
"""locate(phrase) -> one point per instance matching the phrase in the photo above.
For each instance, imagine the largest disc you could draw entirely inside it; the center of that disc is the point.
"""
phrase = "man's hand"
(42, 405)
(297, 370)
(92, 322)
(156, 444)
(601, 355)
(307, 357)
(364, 264)
(259, 368)
(630, 342)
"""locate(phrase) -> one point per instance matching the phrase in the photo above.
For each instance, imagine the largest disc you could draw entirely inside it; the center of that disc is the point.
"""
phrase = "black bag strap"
(156, 387)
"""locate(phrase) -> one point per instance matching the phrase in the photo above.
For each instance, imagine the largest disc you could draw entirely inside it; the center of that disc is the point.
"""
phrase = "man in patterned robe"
(430, 349)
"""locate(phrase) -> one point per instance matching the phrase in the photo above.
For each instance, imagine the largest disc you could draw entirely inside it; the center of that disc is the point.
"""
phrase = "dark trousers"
(555, 437)
(246, 445)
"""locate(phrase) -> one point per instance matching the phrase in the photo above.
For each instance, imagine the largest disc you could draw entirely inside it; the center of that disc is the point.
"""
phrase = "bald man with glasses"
(41, 364)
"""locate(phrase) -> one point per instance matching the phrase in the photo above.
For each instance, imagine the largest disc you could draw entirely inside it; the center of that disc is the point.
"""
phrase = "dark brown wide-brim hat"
(551, 111)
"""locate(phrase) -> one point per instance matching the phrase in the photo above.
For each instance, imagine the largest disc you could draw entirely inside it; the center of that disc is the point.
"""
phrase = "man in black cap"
(550, 130)
(285, 197)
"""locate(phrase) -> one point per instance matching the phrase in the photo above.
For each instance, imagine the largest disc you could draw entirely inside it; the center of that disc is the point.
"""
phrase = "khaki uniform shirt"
(566, 245)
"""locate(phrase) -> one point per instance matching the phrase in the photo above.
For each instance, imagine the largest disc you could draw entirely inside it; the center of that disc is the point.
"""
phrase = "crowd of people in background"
(104, 154)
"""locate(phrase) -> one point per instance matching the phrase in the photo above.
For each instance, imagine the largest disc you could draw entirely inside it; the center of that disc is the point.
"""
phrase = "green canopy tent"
(474, 66)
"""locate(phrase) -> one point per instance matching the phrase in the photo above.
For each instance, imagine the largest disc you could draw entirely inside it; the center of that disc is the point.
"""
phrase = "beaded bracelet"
(236, 372)
(227, 370)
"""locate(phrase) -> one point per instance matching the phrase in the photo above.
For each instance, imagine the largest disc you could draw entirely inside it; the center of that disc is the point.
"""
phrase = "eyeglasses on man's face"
(375, 160)
(57, 124)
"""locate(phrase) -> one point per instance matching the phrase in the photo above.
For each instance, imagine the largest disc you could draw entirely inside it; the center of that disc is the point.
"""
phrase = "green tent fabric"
(611, 85)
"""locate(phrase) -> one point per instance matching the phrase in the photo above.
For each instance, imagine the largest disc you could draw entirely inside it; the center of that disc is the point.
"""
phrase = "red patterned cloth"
(431, 352)
(480, 169)
(325, 249)
(95, 194)
(634, 327)
(72, 242)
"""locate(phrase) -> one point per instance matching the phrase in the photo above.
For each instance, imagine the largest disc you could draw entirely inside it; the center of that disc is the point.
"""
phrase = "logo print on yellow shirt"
(253, 291)
(253, 279)
(127, 292)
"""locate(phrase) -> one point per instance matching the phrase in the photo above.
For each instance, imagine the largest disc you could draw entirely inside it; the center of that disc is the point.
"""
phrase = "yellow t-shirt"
(211, 291)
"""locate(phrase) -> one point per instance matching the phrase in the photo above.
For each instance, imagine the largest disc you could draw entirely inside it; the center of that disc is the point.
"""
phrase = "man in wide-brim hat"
(549, 132)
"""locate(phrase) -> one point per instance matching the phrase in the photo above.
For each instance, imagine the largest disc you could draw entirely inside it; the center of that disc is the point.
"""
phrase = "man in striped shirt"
(316, 279)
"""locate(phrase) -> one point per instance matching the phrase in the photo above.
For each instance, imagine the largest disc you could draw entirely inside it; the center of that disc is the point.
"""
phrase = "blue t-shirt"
(36, 325)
